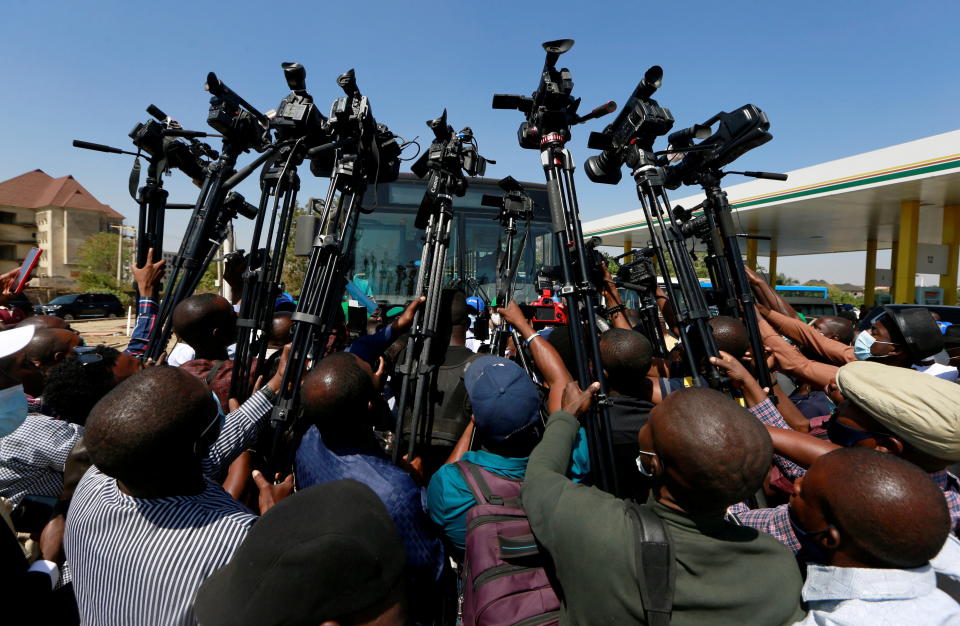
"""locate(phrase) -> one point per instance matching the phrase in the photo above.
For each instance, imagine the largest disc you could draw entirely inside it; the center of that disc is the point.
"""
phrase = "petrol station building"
(905, 198)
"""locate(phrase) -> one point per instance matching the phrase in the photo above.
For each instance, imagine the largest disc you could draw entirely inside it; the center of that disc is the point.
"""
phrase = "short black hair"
(626, 356)
(839, 326)
(150, 420)
(731, 335)
(719, 448)
(889, 509)
(72, 388)
(198, 315)
(337, 392)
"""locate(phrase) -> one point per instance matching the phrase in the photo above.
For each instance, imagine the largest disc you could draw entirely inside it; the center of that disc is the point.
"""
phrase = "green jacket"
(726, 574)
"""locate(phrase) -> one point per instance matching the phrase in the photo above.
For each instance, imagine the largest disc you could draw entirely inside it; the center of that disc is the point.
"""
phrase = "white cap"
(15, 339)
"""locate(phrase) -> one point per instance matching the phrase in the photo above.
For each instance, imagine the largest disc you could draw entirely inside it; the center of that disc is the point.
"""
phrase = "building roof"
(834, 206)
(38, 190)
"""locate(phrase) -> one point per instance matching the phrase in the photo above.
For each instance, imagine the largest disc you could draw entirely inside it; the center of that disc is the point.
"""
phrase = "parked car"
(78, 305)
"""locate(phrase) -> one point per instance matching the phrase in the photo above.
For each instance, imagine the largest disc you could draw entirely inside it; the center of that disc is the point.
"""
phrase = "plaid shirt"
(146, 318)
(776, 521)
(768, 414)
(32, 457)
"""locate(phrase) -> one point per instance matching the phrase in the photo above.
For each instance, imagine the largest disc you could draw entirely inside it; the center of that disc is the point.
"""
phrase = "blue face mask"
(13, 409)
(810, 550)
(862, 347)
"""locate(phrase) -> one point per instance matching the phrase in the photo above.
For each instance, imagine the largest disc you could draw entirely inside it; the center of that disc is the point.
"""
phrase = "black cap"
(921, 335)
(324, 553)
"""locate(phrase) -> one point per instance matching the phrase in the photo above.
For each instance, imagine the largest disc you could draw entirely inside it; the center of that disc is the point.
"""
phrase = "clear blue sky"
(835, 78)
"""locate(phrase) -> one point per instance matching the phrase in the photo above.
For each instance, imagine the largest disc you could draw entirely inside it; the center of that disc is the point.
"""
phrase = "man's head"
(207, 322)
(626, 356)
(46, 321)
(280, 330)
(506, 405)
(14, 368)
(731, 335)
(900, 411)
(337, 395)
(835, 327)
(50, 346)
(904, 337)
(876, 510)
(76, 384)
(329, 554)
(148, 426)
(710, 451)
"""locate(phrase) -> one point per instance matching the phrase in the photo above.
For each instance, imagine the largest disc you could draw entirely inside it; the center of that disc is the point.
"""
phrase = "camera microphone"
(685, 136)
(600, 111)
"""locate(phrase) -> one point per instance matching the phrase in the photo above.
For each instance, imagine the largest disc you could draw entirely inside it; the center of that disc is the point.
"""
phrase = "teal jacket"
(726, 574)
(449, 498)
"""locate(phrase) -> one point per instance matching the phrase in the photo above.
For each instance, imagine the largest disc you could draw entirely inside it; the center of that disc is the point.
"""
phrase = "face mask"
(13, 409)
(810, 550)
(861, 347)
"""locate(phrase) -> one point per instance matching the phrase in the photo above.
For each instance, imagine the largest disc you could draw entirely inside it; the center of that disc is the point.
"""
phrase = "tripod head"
(449, 159)
(514, 204)
(297, 115)
(243, 126)
(629, 138)
(352, 129)
(739, 131)
(552, 109)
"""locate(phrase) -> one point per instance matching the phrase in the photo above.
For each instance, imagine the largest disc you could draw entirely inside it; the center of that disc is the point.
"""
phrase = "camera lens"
(604, 168)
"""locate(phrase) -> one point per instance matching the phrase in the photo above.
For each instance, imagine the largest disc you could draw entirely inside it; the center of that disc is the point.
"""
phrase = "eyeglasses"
(843, 435)
(87, 355)
(641, 467)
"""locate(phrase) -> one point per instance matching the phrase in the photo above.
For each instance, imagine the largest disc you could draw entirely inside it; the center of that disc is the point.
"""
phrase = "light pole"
(120, 228)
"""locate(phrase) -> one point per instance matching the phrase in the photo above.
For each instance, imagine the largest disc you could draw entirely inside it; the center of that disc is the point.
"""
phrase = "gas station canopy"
(895, 197)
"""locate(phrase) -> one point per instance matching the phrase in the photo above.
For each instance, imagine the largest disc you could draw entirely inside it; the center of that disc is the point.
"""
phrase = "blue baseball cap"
(505, 400)
(476, 303)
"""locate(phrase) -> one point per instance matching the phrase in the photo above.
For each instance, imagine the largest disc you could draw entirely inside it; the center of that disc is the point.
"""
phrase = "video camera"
(297, 115)
(241, 125)
(351, 125)
(640, 274)
(739, 131)
(515, 204)
(595, 264)
(153, 137)
(635, 128)
(551, 108)
(451, 154)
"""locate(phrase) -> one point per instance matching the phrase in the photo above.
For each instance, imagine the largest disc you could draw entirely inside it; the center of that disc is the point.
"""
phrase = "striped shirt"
(141, 561)
(32, 457)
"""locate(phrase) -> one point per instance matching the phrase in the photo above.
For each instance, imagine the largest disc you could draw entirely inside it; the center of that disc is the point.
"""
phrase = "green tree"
(783, 279)
(97, 259)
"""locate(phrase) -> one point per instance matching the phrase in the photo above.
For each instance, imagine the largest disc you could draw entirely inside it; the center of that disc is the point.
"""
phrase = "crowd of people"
(135, 492)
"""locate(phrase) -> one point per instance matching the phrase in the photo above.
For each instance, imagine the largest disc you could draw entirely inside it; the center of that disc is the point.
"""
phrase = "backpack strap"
(212, 374)
(473, 476)
(656, 569)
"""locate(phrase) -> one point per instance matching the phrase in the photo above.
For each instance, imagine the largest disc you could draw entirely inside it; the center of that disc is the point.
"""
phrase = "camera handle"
(261, 280)
(577, 290)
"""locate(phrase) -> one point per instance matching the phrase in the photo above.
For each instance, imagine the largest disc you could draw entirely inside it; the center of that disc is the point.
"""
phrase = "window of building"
(7, 217)
(8, 253)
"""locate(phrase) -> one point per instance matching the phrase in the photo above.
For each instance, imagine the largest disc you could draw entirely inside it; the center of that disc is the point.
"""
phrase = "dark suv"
(77, 305)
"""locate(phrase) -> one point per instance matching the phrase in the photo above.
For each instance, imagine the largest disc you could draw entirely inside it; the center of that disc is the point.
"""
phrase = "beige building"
(55, 214)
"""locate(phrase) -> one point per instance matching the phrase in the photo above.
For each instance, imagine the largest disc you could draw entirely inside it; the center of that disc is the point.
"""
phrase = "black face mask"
(810, 550)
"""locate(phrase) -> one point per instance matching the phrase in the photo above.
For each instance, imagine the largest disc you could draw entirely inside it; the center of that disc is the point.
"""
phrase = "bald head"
(731, 335)
(45, 321)
(835, 327)
(147, 423)
(336, 394)
(205, 321)
(626, 356)
(280, 329)
(888, 512)
(714, 452)
(50, 346)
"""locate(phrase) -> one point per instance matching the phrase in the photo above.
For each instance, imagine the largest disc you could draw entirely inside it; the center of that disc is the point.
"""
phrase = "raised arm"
(545, 356)
(768, 294)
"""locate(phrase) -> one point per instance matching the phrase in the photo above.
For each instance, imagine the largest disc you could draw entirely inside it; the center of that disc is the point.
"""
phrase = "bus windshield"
(389, 245)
